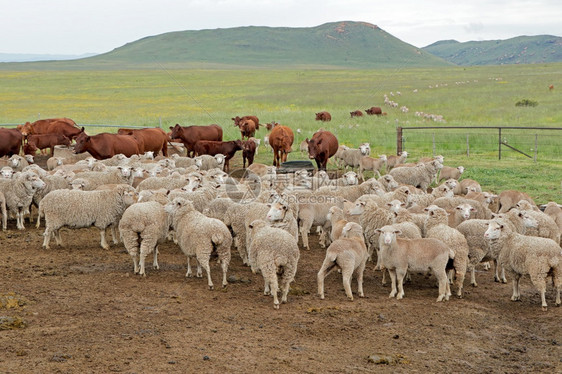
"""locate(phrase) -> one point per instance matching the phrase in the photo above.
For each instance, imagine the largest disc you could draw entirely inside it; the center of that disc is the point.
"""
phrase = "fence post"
(467, 147)
(499, 143)
(398, 140)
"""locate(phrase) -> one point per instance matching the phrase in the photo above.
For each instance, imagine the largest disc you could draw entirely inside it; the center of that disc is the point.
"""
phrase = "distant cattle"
(10, 142)
(321, 147)
(105, 145)
(212, 147)
(150, 139)
(374, 110)
(44, 141)
(551, 87)
(271, 125)
(281, 139)
(192, 134)
(62, 126)
(248, 152)
(356, 113)
(323, 116)
(237, 120)
(248, 128)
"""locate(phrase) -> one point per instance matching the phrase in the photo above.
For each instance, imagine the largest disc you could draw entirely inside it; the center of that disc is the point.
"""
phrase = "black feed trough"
(292, 166)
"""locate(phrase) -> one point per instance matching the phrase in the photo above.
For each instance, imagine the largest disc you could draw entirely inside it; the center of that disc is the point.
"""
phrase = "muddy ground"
(80, 308)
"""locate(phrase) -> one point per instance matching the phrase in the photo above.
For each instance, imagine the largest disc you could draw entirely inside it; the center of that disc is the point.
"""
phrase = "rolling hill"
(331, 45)
(519, 50)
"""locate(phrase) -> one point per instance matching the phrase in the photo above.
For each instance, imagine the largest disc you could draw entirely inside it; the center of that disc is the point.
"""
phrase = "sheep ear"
(268, 205)
(473, 209)
(501, 227)
(251, 226)
(397, 232)
(379, 231)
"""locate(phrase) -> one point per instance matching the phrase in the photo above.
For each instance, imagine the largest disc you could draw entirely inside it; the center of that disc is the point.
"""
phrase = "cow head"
(239, 144)
(314, 147)
(65, 141)
(26, 129)
(237, 121)
(176, 131)
(82, 141)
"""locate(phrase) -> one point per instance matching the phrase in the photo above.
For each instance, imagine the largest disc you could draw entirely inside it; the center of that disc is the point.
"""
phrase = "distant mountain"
(332, 45)
(23, 57)
(519, 50)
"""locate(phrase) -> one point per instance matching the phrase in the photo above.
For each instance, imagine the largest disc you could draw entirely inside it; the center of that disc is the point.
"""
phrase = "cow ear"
(171, 128)
(306, 140)
(82, 129)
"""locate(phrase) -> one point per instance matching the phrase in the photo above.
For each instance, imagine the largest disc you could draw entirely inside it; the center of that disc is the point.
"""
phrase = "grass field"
(471, 96)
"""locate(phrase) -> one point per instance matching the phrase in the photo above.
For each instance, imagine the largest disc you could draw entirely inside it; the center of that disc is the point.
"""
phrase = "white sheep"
(282, 215)
(78, 209)
(352, 156)
(555, 212)
(524, 255)
(142, 227)
(400, 255)
(348, 253)
(198, 236)
(337, 158)
(436, 226)
(373, 164)
(7, 172)
(509, 198)
(388, 182)
(117, 175)
(468, 185)
(210, 162)
(277, 252)
(419, 176)
(546, 226)
(18, 193)
(336, 216)
(17, 162)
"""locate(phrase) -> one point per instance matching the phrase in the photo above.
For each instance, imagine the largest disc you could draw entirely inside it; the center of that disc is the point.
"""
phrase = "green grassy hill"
(519, 50)
(331, 45)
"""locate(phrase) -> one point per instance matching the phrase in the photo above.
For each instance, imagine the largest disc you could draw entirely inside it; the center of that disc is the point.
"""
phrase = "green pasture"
(464, 96)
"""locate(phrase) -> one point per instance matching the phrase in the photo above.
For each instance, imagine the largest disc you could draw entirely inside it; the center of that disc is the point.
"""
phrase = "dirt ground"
(80, 308)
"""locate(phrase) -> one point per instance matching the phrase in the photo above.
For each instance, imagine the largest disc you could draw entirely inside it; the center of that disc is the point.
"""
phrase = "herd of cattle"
(398, 204)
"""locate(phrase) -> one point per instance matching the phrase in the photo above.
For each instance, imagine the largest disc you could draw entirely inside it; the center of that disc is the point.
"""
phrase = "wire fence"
(532, 143)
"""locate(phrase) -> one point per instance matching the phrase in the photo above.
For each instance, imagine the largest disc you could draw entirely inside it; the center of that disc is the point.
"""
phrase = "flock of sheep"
(446, 230)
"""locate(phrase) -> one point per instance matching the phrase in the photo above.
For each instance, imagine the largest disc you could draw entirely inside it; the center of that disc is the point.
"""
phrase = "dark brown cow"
(321, 147)
(213, 147)
(44, 141)
(323, 116)
(356, 113)
(192, 134)
(238, 120)
(281, 139)
(105, 145)
(63, 126)
(150, 139)
(248, 152)
(10, 142)
(247, 128)
(271, 125)
(374, 110)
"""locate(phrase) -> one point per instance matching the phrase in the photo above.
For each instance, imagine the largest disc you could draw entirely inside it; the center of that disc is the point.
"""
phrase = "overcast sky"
(97, 26)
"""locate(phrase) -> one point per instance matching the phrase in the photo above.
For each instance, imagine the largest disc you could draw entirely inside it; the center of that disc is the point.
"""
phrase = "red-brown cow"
(192, 134)
(271, 125)
(356, 113)
(248, 152)
(248, 128)
(238, 120)
(63, 126)
(321, 147)
(44, 141)
(213, 147)
(374, 110)
(150, 139)
(106, 145)
(10, 142)
(323, 116)
(281, 139)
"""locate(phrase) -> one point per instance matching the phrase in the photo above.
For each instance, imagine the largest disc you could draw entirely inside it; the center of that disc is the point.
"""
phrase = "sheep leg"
(199, 270)
(155, 259)
(400, 274)
(306, 224)
(203, 261)
(19, 219)
(473, 275)
(273, 283)
(224, 266)
(58, 239)
(443, 285)
(392, 274)
(103, 241)
(286, 279)
(360, 270)
(266, 290)
(384, 271)
(516, 295)
(496, 274)
(346, 274)
(114, 234)
(130, 240)
(189, 274)
(47, 238)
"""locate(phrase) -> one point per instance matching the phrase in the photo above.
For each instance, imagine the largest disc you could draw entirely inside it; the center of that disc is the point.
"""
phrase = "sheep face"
(15, 161)
(7, 172)
(350, 178)
(365, 149)
(29, 159)
(32, 180)
(276, 212)
(358, 209)
(352, 230)
(494, 230)
(125, 171)
(220, 158)
(388, 234)
(465, 210)
(149, 155)
(395, 205)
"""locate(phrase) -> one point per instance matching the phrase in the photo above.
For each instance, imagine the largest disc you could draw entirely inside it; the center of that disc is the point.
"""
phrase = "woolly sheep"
(555, 212)
(18, 193)
(200, 198)
(198, 235)
(52, 182)
(7, 172)
(281, 215)
(420, 176)
(155, 183)
(184, 162)
(142, 227)
(277, 252)
(211, 162)
(469, 185)
(392, 160)
(352, 193)
(524, 255)
(4, 212)
(118, 175)
(436, 226)
(546, 226)
(400, 255)
(450, 203)
(373, 164)
(425, 200)
(349, 254)
(388, 182)
(338, 155)
(337, 220)
(78, 209)
(448, 172)
(53, 162)
(17, 162)
(352, 156)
